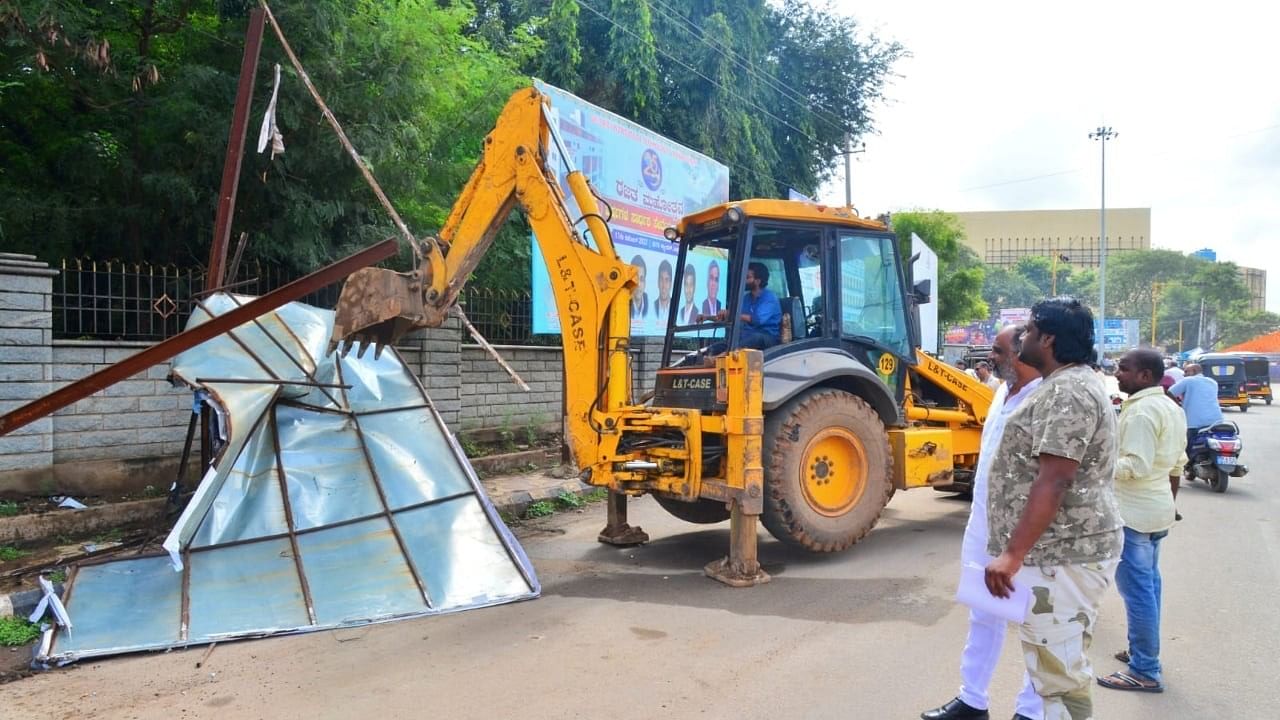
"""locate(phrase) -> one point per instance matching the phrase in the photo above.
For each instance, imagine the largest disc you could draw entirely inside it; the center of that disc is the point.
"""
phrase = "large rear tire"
(1218, 481)
(700, 512)
(827, 470)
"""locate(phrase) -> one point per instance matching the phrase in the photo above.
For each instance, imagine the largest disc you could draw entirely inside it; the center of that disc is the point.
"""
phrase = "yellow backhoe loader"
(811, 436)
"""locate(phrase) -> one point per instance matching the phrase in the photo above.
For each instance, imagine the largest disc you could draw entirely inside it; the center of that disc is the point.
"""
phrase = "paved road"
(639, 633)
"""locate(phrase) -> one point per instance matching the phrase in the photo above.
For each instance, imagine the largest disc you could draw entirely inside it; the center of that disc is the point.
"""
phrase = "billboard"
(1120, 334)
(1014, 316)
(649, 183)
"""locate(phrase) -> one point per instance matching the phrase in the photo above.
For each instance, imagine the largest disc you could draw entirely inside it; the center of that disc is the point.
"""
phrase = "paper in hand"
(974, 593)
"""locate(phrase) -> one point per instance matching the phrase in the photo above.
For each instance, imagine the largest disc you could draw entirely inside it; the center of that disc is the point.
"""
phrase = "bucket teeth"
(377, 306)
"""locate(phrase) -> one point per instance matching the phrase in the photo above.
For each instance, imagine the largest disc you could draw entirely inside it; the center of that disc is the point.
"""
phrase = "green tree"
(1178, 286)
(634, 60)
(562, 53)
(960, 272)
(114, 144)
(1006, 288)
(1236, 326)
(725, 120)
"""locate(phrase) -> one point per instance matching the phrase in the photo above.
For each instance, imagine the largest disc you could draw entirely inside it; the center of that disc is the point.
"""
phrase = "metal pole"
(1103, 134)
(235, 149)
(1155, 298)
(1102, 284)
(1200, 336)
(848, 170)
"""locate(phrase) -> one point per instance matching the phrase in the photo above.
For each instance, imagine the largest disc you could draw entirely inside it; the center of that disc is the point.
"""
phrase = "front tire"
(827, 470)
(1244, 408)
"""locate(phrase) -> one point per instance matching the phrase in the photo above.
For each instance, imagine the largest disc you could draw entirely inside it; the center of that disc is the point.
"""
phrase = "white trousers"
(986, 637)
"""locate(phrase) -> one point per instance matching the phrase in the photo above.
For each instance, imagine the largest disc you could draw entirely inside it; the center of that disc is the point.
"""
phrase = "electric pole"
(1103, 133)
(848, 167)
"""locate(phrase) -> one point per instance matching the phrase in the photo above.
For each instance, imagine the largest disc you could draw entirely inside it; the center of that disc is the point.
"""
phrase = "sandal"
(1127, 681)
(1122, 656)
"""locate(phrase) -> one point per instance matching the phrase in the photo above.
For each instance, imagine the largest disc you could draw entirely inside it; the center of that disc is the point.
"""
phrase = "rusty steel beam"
(235, 149)
(192, 337)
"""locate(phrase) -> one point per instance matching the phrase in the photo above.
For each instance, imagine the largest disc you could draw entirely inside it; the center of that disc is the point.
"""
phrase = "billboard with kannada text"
(647, 183)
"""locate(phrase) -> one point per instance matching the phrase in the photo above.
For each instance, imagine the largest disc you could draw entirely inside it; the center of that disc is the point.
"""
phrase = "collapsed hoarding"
(338, 497)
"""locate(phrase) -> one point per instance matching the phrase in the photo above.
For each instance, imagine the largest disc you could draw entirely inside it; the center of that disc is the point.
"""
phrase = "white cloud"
(1000, 91)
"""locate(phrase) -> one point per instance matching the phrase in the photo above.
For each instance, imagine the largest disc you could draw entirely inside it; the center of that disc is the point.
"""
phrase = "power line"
(788, 92)
(695, 71)
(1161, 153)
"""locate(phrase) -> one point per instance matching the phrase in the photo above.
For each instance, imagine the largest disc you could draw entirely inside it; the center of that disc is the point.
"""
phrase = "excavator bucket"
(377, 307)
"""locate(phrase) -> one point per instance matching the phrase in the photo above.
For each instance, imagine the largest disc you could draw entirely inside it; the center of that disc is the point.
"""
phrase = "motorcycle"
(1215, 456)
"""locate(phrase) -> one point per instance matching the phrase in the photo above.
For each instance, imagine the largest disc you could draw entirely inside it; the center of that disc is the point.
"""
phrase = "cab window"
(871, 303)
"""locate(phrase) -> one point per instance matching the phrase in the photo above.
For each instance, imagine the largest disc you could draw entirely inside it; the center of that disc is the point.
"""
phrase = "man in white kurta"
(987, 632)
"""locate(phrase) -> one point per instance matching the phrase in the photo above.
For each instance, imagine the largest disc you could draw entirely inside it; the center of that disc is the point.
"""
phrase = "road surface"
(640, 633)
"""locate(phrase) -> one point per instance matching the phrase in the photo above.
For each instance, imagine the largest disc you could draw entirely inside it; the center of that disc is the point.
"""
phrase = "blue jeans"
(1138, 580)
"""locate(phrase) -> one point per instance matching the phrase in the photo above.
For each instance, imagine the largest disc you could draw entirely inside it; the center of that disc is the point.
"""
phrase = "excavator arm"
(379, 306)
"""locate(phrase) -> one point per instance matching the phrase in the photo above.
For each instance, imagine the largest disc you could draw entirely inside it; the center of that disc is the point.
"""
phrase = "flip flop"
(1126, 681)
(1122, 656)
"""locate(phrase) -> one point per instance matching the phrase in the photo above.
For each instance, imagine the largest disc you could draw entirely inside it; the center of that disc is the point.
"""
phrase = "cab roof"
(793, 210)
(1217, 357)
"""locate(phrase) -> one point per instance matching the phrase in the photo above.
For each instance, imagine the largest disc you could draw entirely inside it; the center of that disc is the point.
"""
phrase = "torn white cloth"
(70, 502)
(270, 131)
(50, 600)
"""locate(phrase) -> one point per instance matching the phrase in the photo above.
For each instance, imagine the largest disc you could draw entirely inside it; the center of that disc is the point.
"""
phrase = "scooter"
(1215, 456)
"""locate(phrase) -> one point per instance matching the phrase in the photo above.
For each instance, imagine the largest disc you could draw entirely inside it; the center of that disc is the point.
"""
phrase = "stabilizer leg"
(617, 531)
(741, 568)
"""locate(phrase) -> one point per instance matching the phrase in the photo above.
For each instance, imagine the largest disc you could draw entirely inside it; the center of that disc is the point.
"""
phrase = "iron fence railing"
(112, 300)
(503, 317)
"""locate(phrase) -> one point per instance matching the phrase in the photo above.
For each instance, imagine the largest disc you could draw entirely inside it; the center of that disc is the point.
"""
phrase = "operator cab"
(837, 278)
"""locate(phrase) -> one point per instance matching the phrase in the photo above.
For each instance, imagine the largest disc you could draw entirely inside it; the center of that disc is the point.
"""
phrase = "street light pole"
(1103, 133)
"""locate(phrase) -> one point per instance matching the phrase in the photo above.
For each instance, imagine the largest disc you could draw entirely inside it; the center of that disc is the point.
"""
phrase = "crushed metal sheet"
(339, 498)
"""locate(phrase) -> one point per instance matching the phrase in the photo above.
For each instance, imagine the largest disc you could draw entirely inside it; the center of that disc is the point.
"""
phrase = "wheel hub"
(835, 471)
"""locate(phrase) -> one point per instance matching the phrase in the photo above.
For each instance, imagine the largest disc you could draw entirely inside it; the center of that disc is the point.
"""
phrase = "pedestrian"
(987, 377)
(1149, 464)
(1053, 523)
(986, 631)
(1198, 394)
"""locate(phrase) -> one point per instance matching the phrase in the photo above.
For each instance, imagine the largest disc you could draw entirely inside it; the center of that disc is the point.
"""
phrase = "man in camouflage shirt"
(1052, 515)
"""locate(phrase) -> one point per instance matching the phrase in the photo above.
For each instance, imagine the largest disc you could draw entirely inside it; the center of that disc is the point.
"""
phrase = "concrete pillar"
(441, 367)
(26, 360)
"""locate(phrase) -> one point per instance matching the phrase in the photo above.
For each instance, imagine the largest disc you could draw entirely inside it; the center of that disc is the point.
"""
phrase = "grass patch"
(17, 631)
(569, 501)
(597, 495)
(542, 508)
(110, 536)
(8, 508)
(58, 576)
(9, 552)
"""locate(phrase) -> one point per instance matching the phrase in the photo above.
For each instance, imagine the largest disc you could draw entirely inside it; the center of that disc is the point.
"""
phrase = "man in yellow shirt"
(1152, 437)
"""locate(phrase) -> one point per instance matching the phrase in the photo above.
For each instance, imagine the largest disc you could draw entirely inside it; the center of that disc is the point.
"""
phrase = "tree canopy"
(114, 117)
(1177, 284)
(960, 272)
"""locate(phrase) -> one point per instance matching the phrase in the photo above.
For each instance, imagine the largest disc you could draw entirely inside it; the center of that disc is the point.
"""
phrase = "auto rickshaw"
(1257, 375)
(1228, 371)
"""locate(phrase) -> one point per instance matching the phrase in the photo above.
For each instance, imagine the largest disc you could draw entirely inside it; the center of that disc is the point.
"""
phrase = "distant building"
(1256, 280)
(1206, 254)
(1004, 237)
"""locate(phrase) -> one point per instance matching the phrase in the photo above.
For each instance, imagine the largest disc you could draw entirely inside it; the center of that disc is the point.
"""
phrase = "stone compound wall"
(131, 434)
(144, 416)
